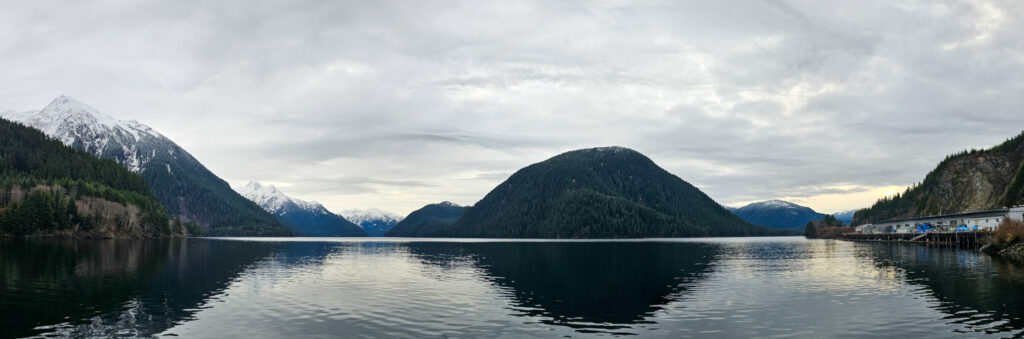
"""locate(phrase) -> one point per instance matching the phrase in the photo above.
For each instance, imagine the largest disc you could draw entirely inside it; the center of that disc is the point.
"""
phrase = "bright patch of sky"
(397, 104)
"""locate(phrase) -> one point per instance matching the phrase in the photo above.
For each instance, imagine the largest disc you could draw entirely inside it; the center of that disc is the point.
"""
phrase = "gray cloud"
(395, 104)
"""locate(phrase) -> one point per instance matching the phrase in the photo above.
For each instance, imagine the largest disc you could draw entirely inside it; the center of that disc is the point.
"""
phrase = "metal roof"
(1001, 211)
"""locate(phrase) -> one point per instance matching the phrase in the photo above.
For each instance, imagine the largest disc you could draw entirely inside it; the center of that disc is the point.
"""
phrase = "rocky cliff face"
(968, 181)
(974, 183)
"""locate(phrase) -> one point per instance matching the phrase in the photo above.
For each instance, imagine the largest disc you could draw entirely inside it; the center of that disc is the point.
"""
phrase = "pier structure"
(971, 239)
(980, 221)
(962, 230)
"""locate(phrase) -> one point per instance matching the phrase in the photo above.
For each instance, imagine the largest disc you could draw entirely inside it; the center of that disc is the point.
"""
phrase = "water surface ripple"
(374, 287)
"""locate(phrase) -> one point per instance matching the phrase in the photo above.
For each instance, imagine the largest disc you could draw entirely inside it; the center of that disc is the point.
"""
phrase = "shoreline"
(978, 242)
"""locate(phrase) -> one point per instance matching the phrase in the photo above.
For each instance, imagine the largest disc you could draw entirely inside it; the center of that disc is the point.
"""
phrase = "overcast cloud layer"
(399, 104)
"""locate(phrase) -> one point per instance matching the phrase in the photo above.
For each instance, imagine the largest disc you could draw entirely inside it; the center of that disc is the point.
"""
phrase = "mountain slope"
(846, 217)
(374, 221)
(428, 221)
(184, 186)
(968, 181)
(50, 189)
(777, 214)
(608, 192)
(308, 218)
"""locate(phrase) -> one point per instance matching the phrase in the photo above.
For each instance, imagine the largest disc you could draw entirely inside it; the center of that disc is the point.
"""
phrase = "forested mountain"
(777, 214)
(428, 221)
(972, 180)
(47, 188)
(607, 192)
(308, 218)
(184, 186)
(374, 221)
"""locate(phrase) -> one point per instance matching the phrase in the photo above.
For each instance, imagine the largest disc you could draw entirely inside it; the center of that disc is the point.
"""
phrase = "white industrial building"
(971, 221)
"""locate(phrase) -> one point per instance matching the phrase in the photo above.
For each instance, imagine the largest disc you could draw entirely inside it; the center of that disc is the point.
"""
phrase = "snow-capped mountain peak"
(359, 216)
(308, 217)
(374, 221)
(66, 110)
(452, 204)
(77, 124)
(273, 200)
(777, 214)
(261, 194)
(775, 203)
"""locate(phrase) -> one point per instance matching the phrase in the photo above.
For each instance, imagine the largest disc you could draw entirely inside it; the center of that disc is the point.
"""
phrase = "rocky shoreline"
(1015, 251)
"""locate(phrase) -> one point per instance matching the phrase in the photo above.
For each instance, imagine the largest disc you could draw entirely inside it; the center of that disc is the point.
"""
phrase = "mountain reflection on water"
(602, 285)
(735, 287)
(113, 287)
(978, 293)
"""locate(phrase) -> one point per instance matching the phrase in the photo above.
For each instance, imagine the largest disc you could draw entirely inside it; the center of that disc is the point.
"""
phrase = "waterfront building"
(960, 222)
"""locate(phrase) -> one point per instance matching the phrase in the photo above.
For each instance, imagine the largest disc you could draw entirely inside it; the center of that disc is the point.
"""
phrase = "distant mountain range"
(308, 218)
(374, 221)
(185, 188)
(606, 192)
(973, 180)
(428, 221)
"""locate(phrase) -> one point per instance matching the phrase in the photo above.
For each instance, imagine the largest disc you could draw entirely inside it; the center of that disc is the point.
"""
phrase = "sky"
(397, 104)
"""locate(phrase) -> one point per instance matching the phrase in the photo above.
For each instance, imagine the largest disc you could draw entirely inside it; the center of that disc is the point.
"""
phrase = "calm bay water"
(371, 287)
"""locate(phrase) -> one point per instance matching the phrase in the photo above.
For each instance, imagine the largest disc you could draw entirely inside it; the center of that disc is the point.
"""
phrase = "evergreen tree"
(810, 232)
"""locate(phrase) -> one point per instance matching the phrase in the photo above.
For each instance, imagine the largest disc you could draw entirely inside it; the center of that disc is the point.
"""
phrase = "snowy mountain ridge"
(186, 188)
(374, 221)
(775, 203)
(308, 217)
(275, 201)
(77, 124)
(360, 216)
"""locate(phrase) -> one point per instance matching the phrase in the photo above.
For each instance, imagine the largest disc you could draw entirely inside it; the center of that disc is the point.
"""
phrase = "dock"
(971, 240)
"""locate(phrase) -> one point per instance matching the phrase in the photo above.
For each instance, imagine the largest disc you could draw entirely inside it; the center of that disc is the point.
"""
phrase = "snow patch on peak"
(775, 203)
(268, 197)
(77, 124)
(65, 109)
(605, 149)
(360, 216)
(65, 105)
(273, 200)
(611, 149)
(256, 187)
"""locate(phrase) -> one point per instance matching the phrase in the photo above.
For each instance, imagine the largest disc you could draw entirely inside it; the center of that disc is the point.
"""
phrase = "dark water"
(739, 287)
